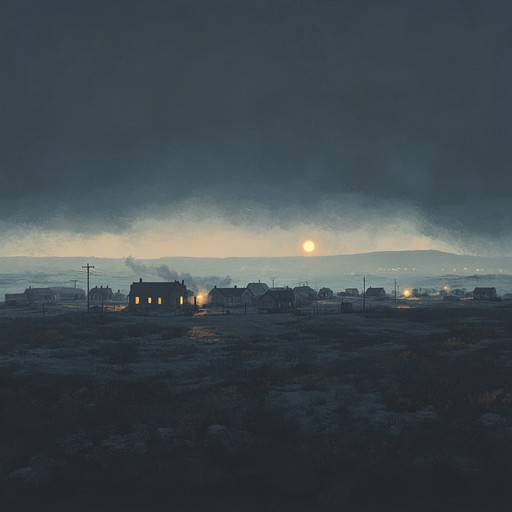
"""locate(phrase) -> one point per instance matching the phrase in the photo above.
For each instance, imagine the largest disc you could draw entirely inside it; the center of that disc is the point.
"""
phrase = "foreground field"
(385, 410)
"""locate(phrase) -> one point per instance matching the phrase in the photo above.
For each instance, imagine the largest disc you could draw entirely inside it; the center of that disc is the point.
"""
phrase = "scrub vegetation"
(386, 410)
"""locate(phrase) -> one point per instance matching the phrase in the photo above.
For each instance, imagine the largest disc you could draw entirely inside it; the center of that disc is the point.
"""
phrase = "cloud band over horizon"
(349, 119)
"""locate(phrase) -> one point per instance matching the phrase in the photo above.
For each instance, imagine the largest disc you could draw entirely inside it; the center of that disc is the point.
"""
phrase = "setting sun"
(308, 246)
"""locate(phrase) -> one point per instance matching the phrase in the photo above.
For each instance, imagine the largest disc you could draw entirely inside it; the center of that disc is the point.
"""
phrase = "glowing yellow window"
(181, 300)
(159, 300)
(137, 300)
(150, 300)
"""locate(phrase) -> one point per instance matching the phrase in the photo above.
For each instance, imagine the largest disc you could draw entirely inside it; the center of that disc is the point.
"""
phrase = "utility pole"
(88, 267)
(273, 279)
(395, 293)
(364, 293)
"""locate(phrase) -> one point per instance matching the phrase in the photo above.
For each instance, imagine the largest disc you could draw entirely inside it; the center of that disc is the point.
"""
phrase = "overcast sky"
(238, 127)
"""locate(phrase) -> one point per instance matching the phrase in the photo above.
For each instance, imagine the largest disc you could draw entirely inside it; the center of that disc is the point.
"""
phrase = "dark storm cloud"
(112, 110)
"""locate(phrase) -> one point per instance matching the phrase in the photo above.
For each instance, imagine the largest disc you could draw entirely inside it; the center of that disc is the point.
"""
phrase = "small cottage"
(277, 301)
(481, 293)
(119, 297)
(40, 296)
(68, 293)
(16, 299)
(325, 293)
(100, 295)
(256, 290)
(375, 292)
(229, 297)
(304, 295)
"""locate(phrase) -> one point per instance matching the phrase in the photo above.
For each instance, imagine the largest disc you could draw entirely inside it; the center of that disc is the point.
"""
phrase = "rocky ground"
(389, 409)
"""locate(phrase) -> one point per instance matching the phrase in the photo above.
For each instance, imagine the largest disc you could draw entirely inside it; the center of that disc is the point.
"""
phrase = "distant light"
(308, 245)
(406, 293)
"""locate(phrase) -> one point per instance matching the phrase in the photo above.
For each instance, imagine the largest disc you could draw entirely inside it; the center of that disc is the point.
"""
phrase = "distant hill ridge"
(423, 261)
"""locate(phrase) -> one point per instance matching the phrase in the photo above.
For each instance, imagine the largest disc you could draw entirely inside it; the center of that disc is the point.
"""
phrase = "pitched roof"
(39, 292)
(229, 292)
(375, 291)
(159, 287)
(257, 288)
(101, 289)
(66, 289)
(280, 295)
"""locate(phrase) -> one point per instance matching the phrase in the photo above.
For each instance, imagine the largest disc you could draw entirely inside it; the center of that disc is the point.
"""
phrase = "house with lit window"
(161, 296)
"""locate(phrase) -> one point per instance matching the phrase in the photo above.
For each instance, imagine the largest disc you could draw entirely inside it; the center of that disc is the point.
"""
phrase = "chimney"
(235, 286)
(183, 282)
(140, 279)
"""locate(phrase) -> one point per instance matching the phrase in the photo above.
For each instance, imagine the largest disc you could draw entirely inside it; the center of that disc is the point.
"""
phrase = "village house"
(100, 295)
(40, 296)
(67, 293)
(352, 291)
(325, 293)
(481, 293)
(458, 292)
(277, 301)
(304, 295)
(16, 299)
(256, 290)
(375, 292)
(119, 297)
(229, 297)
(157, 296)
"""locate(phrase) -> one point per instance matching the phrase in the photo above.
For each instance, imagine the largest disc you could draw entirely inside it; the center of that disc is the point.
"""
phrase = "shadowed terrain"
(385, 410)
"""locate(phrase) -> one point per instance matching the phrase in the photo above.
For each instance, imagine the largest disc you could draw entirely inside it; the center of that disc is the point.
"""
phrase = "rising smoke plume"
(164, 273)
